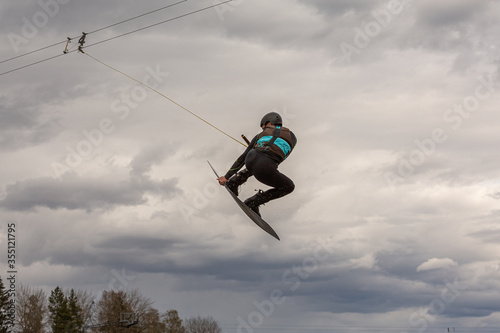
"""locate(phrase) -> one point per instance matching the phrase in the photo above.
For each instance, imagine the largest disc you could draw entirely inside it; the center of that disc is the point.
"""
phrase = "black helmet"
(273, 117)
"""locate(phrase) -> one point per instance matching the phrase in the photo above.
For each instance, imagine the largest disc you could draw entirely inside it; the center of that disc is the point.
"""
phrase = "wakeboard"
(250, 213)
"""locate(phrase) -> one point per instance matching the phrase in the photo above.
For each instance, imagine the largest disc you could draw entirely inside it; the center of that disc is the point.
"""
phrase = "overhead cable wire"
(94, 31)
(136, 17)
(31, 52)
(159, 23)
(124, 34)
(80, 49)
(33, 63)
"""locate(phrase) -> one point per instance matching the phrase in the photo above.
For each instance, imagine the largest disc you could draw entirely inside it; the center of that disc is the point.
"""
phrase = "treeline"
(29, 310)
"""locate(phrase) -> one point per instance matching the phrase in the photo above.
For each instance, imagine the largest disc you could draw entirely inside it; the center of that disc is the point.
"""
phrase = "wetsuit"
(261, 158)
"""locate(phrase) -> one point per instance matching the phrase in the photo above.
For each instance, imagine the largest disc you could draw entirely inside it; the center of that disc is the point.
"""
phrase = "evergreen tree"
(76, 314)
(59, 312)
(4, 308)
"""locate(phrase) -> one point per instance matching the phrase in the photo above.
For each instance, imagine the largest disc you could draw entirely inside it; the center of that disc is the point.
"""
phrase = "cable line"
(118, 36)
(159, 23)
(135, 17)
(34, 63)
(30, 52)
(100, 29)
(82, 41)
(163, 95)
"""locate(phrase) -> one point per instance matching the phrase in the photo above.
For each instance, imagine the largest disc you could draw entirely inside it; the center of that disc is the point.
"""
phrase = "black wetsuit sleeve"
(294, 139)
(240, 162)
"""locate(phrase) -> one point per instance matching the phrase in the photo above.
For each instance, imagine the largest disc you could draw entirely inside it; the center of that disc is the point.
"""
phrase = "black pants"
(265, 170)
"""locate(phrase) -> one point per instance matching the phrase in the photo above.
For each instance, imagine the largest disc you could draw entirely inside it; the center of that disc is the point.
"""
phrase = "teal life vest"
(276, 141)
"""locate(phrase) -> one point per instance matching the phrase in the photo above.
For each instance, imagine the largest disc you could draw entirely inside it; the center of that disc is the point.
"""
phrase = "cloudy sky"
(394, 220)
